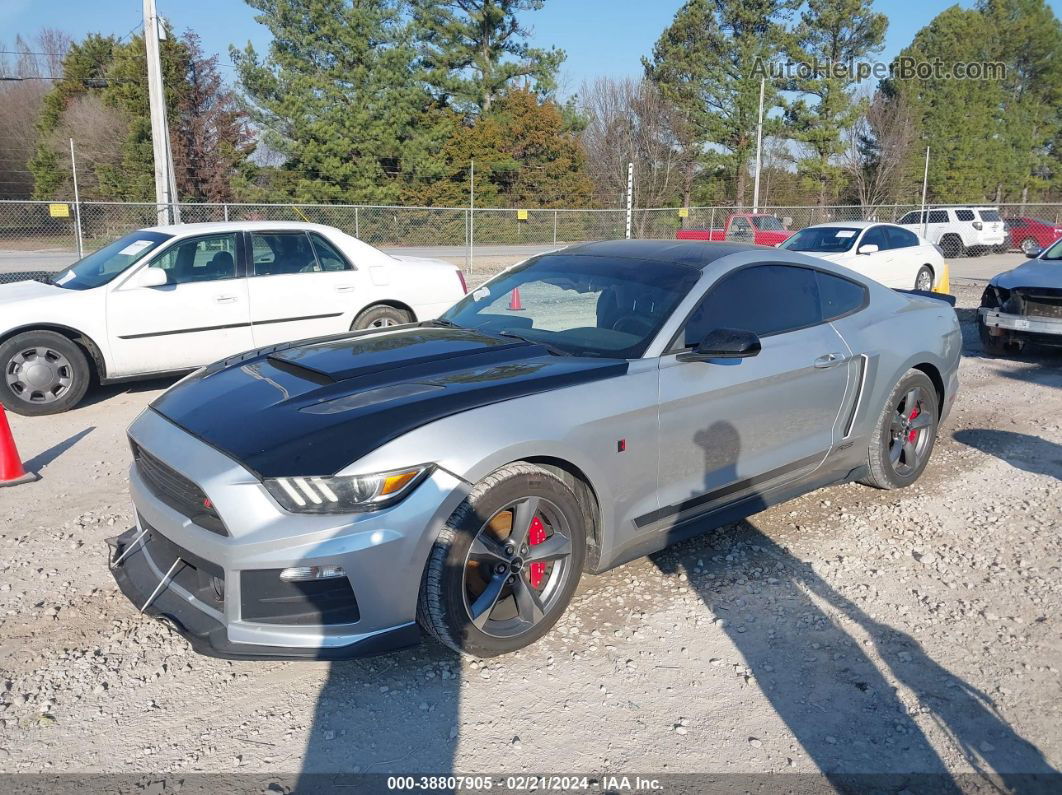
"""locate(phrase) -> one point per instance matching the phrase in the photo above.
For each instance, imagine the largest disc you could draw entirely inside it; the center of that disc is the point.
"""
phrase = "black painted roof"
(692, 253)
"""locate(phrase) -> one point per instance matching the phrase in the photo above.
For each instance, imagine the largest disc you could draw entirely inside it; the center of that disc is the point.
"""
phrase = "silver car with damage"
(340, 496)
(1024, 305)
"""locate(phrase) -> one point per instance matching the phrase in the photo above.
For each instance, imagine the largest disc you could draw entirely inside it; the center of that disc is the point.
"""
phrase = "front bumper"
(382, 554)
(1023, 325)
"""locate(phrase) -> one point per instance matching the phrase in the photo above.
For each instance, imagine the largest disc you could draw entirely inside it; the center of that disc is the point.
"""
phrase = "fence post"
(357, 223)
(711, 223)
(77, 205)
(225, 209)
(468, 245)
(554, 227)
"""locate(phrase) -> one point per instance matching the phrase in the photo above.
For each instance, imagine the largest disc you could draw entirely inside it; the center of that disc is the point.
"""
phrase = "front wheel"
(43, 373)
(506, 563)
(905, 433)
(924, 279)
(951, 245)
(1029, 246)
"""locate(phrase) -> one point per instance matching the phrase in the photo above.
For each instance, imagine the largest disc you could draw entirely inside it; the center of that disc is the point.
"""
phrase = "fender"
(95, 352)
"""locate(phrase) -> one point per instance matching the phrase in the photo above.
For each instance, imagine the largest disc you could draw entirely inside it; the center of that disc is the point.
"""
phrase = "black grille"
(177, 491)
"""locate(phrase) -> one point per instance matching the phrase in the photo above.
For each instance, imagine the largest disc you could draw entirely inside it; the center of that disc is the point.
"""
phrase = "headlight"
(345, 493)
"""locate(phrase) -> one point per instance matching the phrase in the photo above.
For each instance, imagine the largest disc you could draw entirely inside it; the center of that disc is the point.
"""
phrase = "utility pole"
(925, 183)
(759, 146)
(165, 183)
(630, 197)
(471, 211)
(77, 205)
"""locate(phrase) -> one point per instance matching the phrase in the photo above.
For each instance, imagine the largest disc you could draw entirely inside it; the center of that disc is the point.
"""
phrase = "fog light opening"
(304, 573)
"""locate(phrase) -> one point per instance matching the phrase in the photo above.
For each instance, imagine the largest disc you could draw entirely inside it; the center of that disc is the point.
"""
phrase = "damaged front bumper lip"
(207, 635)
(1031, 324)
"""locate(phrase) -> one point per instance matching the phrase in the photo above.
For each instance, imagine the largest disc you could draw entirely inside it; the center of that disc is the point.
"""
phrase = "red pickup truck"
(765, 230)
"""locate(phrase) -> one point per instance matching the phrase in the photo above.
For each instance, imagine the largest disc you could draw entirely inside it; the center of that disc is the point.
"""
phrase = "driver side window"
(202, 259)
(763, 299)
(875, 236)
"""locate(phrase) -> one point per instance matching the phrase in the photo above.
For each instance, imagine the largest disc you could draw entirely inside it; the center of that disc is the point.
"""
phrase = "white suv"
(960, 231)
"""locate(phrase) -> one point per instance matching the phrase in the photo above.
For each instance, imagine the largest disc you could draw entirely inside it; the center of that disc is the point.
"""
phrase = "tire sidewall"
(880, 463)
(467, 521)
(82, 373)
(918, 277)
(367, 317)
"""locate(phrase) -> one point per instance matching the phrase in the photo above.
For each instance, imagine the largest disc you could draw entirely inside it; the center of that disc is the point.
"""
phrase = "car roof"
(235, 226)
(691, 253)
(851, 224)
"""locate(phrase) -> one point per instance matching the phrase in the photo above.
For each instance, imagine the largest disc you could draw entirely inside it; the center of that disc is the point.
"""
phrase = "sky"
(600, 37)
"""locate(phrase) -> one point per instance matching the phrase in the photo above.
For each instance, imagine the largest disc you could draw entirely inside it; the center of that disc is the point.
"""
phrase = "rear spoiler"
(948, 299)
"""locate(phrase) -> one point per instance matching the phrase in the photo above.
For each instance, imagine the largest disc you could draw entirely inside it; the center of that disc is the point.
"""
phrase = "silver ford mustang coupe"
(335, 497)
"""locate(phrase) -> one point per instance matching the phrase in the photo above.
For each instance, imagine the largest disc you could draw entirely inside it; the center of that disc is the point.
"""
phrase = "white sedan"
(887, 253)
(173, 298)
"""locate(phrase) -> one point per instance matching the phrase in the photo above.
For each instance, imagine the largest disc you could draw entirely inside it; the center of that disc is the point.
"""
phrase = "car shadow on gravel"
(847, 685)
(1027, 453)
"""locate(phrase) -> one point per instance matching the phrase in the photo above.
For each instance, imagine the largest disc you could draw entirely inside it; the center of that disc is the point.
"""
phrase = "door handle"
(344, 288)
(829, 360)
(226, 299)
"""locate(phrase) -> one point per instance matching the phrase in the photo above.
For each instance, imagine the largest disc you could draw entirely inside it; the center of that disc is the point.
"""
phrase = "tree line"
(389, 102)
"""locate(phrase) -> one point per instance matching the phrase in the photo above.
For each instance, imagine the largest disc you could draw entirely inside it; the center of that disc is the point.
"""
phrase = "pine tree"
(474, 50)
(830, 36)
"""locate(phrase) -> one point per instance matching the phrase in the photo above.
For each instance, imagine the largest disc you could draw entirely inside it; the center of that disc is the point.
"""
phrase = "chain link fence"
(39, 236)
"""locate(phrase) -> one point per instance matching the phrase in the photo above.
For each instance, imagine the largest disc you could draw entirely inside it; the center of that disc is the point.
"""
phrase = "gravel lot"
(850, 631)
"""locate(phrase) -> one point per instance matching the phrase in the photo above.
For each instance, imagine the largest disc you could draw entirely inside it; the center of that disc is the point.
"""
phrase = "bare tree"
(877, 152)
(99, 132)
(36, 61)
(631, 121)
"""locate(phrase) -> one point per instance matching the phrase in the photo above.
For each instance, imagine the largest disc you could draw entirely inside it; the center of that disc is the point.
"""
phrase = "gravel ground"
(849, 631)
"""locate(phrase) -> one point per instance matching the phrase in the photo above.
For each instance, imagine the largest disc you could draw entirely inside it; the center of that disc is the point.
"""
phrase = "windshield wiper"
(442, 322)
(551, 348)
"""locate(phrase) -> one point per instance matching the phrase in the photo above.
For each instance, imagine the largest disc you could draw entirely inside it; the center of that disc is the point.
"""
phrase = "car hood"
(1032, 273)
(28, 290)
(313, 408)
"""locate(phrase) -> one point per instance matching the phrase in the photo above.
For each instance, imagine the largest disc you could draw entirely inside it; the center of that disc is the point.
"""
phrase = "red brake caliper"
(536, 535)
(912, 435)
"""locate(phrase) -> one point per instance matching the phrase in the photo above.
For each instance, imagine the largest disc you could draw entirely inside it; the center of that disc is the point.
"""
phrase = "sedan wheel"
(506, 564)
(380, 316)
(43, 373)
(904, 435)
(924, 279)
(1028, 246)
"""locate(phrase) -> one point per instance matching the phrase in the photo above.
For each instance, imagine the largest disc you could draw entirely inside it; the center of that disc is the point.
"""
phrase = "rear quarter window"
(839, 296)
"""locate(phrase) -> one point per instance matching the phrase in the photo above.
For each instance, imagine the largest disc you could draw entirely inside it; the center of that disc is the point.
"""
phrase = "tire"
(924, 279)
(1028, 245)
(380, 316)
(457, 581)
(899, 449)
(993, 346)
(42, 372)
(951, 245)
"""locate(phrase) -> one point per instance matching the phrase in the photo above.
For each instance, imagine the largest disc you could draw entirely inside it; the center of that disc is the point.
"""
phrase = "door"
(908, 257)
(300, 286)
(199, 316)
(879, 266)
(732, 427)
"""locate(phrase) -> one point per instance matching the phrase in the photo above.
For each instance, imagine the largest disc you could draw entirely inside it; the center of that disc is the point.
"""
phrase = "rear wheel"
(951, 245)
(905, 433)
(381, 316)
(506, 563)
(924, 279)
(43, 373)
(1028, 246)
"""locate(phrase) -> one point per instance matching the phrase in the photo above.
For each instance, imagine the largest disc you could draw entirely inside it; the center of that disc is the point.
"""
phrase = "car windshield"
(822, 239)
(579, 304)
(101, 266)
(1054, 253)
(767, 222)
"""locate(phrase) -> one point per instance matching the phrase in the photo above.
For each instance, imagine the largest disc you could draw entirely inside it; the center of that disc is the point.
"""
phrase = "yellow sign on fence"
(521, 215)
(684, 212)
(59, 210)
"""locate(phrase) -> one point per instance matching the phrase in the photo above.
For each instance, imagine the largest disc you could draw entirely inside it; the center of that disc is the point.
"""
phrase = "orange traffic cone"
(514, 301)
(11, 470)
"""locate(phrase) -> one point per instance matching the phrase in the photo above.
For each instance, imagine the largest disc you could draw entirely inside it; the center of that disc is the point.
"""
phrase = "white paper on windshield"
(480, 294)
(844, 233)
(135, 248)
(64, 278)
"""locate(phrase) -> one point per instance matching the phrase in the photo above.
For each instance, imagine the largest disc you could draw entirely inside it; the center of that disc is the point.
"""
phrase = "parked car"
(959, 231)
(759, 228)
(174, 298)
(887, 253)
(323, 499)
(1031, 235)
(1024, 305)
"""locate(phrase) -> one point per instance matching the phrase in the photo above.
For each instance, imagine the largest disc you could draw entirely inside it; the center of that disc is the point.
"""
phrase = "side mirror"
(1034, 252)
(149, 277)
(869, 248)
(723, 343)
